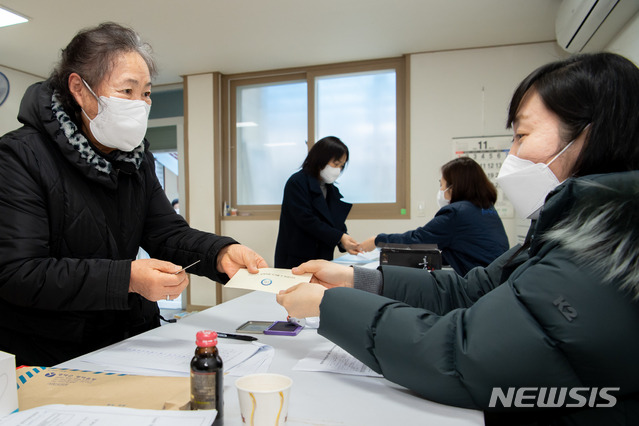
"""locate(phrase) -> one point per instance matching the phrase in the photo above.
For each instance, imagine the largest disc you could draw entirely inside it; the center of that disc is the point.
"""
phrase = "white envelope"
(271, 280)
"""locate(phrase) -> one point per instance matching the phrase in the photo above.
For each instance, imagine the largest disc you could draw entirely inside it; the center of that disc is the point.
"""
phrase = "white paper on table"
(370, 255)
(360, 259)
(333, 359)
(152, 355)
(271, 280)
(258, 363)
(79, 415)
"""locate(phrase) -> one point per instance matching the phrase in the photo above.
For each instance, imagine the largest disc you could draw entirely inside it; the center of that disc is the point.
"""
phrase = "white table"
(317, 398)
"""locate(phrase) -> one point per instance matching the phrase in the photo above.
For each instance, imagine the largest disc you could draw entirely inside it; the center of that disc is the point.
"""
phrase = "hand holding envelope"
(271, 280)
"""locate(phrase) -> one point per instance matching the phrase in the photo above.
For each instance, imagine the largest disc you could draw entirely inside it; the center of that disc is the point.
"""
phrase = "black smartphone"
(284, 328)
(254, 327)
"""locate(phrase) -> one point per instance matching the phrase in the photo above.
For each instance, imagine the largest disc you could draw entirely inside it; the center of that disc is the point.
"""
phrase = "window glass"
(360, 109)
(270, 115)
(271, 133)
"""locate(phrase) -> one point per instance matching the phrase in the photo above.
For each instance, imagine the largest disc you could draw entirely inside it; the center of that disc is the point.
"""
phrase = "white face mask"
(441, 200)
(120, 123)
(526, 184)
(329, 173)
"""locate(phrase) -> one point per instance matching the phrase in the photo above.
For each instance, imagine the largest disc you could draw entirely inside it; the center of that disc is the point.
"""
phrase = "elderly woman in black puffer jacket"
(79, 196)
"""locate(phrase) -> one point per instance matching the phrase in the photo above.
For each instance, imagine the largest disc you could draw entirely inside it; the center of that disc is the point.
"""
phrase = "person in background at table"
(80, 196)
(559, 314)
(313, 217)
(467, 228)
(176, 205)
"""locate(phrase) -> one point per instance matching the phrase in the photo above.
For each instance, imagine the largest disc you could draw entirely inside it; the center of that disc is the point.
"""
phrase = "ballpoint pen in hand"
(183, 269)
(236, 336)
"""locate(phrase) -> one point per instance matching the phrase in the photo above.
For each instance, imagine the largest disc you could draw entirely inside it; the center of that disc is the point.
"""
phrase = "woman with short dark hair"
(313, 216)
(467, 228)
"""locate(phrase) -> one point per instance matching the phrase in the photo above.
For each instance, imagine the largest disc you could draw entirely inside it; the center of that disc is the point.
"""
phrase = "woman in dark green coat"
(547, 333)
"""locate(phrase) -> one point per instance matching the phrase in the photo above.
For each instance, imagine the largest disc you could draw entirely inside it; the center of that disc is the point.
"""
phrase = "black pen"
(236, 336)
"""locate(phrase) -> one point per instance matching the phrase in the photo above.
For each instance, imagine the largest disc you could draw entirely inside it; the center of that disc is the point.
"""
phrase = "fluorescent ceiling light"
(10, 18)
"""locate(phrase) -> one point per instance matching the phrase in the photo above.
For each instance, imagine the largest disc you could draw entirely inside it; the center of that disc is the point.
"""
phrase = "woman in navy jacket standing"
(467, 228)
(312, 222)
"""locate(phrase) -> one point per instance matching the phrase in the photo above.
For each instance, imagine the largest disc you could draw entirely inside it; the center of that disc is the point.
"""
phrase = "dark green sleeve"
(455, 359)
(515, 336)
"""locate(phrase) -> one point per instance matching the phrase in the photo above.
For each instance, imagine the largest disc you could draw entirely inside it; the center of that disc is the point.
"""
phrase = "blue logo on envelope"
(266, 281)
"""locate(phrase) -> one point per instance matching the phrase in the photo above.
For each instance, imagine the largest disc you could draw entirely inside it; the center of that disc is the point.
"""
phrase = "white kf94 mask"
(329, 174)
(120, 123)
(526, 184)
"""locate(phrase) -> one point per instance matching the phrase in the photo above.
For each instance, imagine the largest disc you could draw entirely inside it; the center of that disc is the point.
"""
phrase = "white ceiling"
(230, 36)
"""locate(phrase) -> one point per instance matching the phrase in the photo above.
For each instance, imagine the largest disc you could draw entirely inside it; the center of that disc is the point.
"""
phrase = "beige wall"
(626, 43)
(200, 171)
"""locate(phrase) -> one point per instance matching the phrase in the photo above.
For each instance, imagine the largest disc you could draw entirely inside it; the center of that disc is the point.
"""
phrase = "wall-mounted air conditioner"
(589, 25)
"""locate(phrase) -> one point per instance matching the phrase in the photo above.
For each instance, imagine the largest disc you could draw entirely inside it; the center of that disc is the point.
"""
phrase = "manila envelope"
(43, 385)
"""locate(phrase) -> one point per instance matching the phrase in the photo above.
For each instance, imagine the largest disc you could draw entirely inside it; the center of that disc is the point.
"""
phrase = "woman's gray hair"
(92, 54)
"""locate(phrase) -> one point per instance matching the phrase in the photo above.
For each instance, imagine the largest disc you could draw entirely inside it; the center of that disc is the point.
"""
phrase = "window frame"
(228, 172)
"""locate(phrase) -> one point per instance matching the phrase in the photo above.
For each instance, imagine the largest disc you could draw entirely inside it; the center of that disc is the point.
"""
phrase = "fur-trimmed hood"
(597, 218)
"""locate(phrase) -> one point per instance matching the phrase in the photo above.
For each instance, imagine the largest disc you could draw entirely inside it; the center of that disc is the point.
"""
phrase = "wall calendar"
(489, 152)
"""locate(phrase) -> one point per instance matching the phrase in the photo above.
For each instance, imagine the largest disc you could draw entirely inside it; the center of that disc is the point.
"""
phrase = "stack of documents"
(172, 357)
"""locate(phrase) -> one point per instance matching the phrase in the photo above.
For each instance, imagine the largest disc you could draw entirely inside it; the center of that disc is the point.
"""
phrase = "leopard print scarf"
(82, 145)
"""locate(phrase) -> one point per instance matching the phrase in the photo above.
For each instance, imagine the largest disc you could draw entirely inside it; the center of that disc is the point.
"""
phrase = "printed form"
(333, 359)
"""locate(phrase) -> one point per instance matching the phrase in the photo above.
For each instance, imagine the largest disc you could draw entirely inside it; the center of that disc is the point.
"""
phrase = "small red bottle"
(207, 376)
